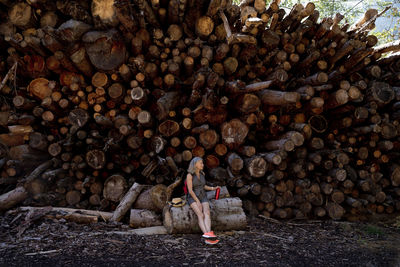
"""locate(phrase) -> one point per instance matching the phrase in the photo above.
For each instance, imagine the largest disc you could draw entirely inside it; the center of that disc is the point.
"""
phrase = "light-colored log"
(140, 218)
(226, 214)
(153, 198)
(126, 202)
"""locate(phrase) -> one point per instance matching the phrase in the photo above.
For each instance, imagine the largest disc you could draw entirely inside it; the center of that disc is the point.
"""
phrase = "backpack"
(185, 189)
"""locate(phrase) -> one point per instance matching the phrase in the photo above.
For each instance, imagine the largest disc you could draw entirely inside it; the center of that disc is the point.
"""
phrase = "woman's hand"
(211, 188)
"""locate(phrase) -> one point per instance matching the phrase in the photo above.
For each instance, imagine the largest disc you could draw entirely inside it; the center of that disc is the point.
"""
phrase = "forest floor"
(265, 242)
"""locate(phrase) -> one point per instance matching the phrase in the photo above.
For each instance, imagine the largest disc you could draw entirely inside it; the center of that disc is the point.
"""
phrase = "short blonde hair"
(192, 166)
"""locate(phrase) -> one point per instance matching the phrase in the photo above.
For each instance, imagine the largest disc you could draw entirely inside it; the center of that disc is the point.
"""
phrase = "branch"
(9, 73)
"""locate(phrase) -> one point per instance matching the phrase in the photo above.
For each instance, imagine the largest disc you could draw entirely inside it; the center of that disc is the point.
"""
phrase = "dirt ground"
(265, 242)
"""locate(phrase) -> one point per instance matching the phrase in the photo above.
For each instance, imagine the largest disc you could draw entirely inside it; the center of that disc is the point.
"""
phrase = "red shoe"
(209, 235)
(211, 242)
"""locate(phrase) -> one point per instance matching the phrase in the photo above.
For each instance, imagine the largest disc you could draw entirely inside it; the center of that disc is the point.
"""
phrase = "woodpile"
(298, 115)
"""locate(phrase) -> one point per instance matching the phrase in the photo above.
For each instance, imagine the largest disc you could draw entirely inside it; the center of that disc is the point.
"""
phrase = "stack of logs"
(298, 116)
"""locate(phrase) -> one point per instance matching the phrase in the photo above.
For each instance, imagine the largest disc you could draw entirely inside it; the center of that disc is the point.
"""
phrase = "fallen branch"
(42, 252)
(41, 168)
(269, 219)
(32, 216)
(9, 73)
(104, 215)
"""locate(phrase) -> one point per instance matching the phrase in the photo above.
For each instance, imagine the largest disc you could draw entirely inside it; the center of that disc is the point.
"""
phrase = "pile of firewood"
(296, 115)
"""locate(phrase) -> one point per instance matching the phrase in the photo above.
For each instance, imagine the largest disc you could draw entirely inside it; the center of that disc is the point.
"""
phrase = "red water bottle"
(217, 193)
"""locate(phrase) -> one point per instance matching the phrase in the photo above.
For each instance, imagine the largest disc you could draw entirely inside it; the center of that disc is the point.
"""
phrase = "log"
(38, 170)
(226, 214)
(79, 58)
(152, 199)
(393, 47)
(235, 162)
(335, 211)
(381, 92)
(75, 10)
(73, 197)
(105, 49)
(168, 128)
(126, 203)
(167, 103)
(104, 13)
(95, 159)
(234, 133)
(38, 141)
(278, 98)
(285, 144)
(154, 230)
(12, 198)
(72, 30)
(77, 218)
(102, 214)
(22, 16)
(12, 139)
(115, 187)
(41, 88)
(256, 166)
(208, 139)
(148, 12)
(140, 218)
(204, 26)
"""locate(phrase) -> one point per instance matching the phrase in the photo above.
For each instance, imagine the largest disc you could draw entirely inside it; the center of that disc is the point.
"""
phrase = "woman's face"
(199, 165)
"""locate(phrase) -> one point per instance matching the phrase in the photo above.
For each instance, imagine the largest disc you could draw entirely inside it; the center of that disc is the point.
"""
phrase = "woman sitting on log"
(197, 198)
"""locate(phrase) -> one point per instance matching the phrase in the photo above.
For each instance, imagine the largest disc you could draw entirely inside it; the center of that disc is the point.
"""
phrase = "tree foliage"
(389, 29)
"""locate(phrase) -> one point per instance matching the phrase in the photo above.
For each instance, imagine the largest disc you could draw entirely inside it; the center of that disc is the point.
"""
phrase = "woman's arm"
(210, 188)
(189, 183)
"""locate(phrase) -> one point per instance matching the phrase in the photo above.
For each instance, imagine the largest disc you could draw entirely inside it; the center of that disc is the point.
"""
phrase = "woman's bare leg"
(207, 217)
(200, 216)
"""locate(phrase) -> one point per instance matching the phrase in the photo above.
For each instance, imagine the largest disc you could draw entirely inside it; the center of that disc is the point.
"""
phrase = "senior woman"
(197, 198)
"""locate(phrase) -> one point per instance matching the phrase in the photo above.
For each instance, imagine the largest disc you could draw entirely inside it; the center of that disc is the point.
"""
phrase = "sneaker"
(209, 235)
(211, 242)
